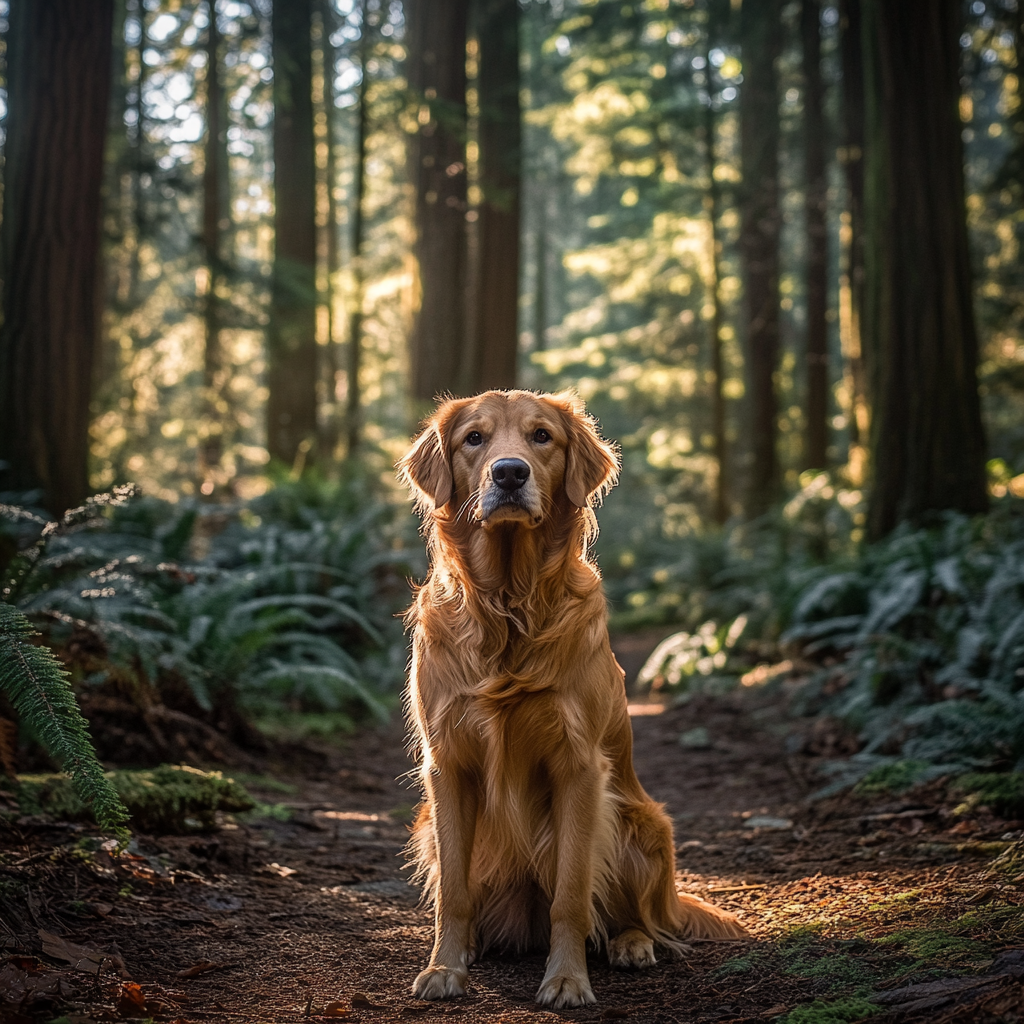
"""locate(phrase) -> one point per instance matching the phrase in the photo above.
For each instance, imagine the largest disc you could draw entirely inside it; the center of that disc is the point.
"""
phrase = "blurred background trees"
(774, 245)
(316, 217)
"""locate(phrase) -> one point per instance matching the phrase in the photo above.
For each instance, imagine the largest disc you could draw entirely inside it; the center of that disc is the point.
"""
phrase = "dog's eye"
(541, 436)
(474, 438)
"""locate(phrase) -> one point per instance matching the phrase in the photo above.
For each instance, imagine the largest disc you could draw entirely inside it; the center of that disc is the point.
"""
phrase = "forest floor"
(895, 908)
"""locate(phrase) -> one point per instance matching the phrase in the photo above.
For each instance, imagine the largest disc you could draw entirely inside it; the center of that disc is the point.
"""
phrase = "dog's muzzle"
(508, 492)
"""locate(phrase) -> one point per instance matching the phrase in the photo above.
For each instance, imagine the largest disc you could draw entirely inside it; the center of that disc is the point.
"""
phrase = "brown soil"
(279, 920)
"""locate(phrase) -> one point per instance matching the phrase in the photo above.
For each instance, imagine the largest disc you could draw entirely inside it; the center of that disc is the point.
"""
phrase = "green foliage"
(38, 688)
(929, 625)
(281, 604)
(167, 799)
(839, 1011)
(757, 570)
(1002, 791)
(896, 777)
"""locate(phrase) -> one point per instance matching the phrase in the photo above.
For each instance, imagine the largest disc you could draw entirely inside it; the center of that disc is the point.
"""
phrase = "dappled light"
(762, 263)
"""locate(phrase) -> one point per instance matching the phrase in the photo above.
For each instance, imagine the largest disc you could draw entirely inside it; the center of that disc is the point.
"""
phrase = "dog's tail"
(701, 920)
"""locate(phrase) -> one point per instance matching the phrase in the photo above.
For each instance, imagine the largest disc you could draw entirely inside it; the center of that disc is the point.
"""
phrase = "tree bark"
(928, 445)
(497, 293)
(816, 411)
(437, 76)
(713, 203)
(853, 162)
(353, 408)
(59, 68)
(216, 223)
(540, 292)
(292, 351)
(330, 428)
(760, 224)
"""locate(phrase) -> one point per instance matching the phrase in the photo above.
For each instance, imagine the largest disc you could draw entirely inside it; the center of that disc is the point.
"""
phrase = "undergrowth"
(166, 799)
(916, 642)
(282, 605)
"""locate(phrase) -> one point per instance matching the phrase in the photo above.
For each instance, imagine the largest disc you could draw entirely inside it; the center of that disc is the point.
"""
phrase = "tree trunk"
(816, 437)
(292, 350)
(330, 429)
(713, 203)
(853, 161)
(59, 70)
(216, 223)
(437, 75)
(928, 445)
(353, 409)
(496, 335)
(540, 291)
(760, 33)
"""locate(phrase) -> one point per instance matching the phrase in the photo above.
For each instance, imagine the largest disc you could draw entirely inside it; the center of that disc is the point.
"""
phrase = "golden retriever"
(534, 830)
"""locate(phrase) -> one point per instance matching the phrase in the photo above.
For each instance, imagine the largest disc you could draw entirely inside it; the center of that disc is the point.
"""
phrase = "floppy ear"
(426, 469)
(591, 464)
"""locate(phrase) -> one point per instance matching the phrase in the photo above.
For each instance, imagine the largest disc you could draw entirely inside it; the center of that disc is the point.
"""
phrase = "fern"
(38, 688)
(933, 658)
(289, 607)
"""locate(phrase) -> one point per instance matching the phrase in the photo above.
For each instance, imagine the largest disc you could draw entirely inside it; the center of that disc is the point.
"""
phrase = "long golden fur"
(534, 830)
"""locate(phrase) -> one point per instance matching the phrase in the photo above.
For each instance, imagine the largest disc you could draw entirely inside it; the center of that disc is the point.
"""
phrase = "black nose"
(510, 474)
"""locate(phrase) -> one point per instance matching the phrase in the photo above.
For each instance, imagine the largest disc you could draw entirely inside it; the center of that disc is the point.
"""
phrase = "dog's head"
(508, 456)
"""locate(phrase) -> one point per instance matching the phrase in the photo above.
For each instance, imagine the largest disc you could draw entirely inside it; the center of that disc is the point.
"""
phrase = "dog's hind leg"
(453, 801)
(631, 948)
(646, 892)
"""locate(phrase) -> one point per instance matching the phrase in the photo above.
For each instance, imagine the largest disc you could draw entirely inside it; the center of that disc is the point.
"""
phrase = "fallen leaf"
(361, 1001)
(130, 1000)
(280, 870)
(336, 1009)
(81, 958)
(201, 968)
(776, 1010)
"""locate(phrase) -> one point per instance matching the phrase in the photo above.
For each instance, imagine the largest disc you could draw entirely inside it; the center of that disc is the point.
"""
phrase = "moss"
(841, 1011)
(1002, 791)
(891, 778)
(936, 949)
(267, 783)
(168, 799)
(262, 811)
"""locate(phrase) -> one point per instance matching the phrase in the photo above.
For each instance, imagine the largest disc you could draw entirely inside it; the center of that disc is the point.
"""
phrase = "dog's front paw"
(564, 990)
(440, 983)
(632, 948)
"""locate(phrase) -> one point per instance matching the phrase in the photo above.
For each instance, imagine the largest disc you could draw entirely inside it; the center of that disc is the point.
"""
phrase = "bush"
(283, 604)
(929, 627)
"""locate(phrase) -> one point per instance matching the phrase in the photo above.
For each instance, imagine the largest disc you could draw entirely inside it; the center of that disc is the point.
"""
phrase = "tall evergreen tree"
(815, 207)
(353, 405)
(292, 349)
(496, 302)
(437, 76)
(928, 445)
(850, 46)
(760, 40)
(713, 203)
(216, 223)
(59, 66)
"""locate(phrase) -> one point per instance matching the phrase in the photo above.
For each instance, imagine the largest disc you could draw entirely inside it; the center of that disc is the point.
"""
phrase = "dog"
(534, 830)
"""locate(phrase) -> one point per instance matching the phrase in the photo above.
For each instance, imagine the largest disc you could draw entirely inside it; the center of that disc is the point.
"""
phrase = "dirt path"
(277, 920)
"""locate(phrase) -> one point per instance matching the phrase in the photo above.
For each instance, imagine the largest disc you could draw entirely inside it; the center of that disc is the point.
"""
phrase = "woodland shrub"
(918, 639)
(283, 604)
